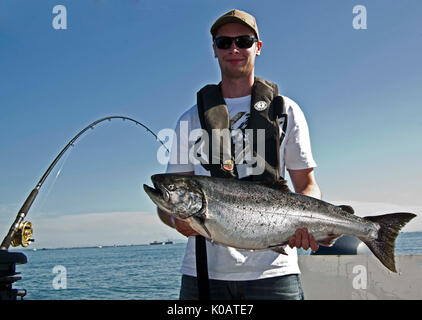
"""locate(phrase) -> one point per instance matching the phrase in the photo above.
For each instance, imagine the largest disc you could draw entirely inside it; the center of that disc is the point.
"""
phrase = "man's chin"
(237, 74)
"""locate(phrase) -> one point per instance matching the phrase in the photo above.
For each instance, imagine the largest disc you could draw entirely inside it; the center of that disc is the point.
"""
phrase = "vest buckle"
(227, 165)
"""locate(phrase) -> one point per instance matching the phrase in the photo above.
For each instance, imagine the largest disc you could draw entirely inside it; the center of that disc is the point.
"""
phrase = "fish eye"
(171, 187)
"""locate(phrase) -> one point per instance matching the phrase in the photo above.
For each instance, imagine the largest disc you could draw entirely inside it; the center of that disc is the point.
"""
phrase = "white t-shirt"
(226, 263)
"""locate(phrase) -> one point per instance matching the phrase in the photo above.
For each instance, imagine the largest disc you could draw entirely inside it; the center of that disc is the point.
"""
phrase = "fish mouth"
(162, 196)
(159, 195)
(159, 190)
(152, 192)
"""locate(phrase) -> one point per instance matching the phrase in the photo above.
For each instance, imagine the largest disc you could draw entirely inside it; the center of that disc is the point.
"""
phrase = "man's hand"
(303, 239)
(184, 228)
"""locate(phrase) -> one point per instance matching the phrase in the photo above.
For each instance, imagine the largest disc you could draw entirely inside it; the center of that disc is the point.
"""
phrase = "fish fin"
(347, 208)
(279, 250)
(201, 222)
(329, 240)
(383, 246)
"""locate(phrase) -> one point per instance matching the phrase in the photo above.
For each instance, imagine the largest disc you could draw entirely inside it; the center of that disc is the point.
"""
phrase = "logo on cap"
(260, 106)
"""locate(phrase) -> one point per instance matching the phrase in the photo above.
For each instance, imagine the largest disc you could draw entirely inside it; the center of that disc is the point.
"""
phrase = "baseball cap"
(236, 16)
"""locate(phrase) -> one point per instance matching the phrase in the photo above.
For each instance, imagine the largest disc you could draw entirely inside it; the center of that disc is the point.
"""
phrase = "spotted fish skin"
(250, 215)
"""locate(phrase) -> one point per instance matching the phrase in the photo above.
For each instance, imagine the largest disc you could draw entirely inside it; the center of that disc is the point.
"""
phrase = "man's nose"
(233, 47)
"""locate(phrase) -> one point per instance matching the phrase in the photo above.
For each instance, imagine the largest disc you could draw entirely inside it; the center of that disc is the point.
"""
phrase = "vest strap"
(213, 114)
(202, 268)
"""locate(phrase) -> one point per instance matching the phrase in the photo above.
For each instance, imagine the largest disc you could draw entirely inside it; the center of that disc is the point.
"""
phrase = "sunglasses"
(242, 42)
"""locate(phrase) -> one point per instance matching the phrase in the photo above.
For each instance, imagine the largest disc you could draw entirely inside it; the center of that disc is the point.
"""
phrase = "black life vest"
(266, 110)
(213, 114)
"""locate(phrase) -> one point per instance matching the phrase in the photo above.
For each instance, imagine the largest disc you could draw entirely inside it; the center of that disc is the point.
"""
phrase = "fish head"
(176, 194)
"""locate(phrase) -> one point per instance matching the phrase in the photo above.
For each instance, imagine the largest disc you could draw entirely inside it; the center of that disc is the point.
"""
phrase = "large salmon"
(250, 215)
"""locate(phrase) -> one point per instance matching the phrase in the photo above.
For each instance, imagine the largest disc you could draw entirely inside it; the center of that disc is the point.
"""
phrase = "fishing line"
(45, 195)
(37, 212)
(30, 199)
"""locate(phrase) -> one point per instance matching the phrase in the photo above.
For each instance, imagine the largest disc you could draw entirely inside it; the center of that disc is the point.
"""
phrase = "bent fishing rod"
(20, 233)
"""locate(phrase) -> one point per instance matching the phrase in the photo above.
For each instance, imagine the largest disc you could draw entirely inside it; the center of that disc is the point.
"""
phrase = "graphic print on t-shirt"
(240, 141)
(238, 123)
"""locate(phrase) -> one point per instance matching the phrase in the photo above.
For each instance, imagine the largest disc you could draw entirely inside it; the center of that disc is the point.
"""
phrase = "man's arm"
(180, 225)
(304, 182)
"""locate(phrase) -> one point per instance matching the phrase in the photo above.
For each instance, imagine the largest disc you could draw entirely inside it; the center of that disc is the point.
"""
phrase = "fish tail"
(383, 246)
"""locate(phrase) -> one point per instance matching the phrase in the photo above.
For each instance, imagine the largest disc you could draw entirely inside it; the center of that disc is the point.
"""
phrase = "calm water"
(132, 272)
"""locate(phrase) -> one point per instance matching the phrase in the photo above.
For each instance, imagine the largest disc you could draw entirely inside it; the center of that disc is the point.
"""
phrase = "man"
(234, 273)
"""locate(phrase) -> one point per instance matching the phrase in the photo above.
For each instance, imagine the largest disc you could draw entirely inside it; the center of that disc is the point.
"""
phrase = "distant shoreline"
(89, 247)
(117, 245)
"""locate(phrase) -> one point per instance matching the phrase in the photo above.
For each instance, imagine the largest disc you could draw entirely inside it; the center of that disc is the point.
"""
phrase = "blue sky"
(359, 89)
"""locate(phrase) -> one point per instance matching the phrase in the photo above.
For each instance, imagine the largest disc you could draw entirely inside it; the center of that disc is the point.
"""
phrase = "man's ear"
(215, 50)
(258, 48)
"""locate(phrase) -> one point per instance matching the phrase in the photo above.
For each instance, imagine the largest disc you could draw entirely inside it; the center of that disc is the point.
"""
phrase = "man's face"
(236, 62)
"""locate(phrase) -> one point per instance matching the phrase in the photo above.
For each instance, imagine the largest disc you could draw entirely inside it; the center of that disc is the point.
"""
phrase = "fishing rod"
(20, 233)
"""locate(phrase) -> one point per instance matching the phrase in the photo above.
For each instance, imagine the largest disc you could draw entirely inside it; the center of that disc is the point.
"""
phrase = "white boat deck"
(360, 277)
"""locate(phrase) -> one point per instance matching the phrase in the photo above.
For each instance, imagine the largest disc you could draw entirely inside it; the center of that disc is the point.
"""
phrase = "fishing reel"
(23, 236)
